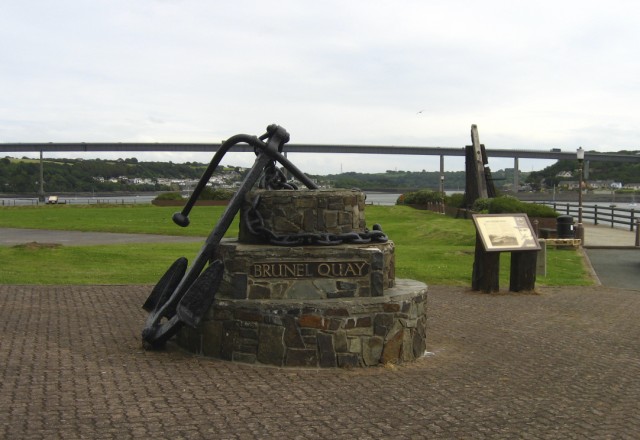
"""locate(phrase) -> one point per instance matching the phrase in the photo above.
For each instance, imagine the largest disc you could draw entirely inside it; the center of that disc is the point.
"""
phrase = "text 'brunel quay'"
(310, 269)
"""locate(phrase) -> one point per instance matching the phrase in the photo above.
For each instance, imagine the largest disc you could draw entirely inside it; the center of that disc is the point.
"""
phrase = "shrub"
(455, 200)
(481, 205)
(169, 196)
(215, 194)
(542, 211)
(505, 205)
(421, 197)
(511, 205)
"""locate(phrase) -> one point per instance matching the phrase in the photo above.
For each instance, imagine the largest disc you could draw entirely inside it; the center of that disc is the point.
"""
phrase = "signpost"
(497, 233)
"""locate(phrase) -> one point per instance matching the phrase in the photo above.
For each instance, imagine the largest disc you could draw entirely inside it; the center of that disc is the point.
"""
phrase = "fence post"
(631, 222)
(567, 208)
(638, 233)
(612, 209)
(595, 215)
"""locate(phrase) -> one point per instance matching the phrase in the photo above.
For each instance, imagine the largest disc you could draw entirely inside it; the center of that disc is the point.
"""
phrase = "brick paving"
(562, 364)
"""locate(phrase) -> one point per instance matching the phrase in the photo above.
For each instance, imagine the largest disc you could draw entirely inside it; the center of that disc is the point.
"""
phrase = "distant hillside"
(77, 175)
(97, 175)
(622, 172)
(403, 180)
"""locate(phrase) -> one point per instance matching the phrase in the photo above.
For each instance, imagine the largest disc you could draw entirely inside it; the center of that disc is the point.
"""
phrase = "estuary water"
(380, 198)
(374, 198)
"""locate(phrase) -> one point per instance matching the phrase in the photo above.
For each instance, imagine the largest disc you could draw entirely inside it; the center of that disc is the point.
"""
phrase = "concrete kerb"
(589, 267)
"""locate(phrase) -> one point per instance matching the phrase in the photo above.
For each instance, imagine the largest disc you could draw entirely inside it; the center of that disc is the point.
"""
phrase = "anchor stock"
(188, 297)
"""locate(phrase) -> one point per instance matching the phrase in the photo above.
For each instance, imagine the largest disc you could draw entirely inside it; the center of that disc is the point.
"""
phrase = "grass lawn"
(429, 247)
(135, 219)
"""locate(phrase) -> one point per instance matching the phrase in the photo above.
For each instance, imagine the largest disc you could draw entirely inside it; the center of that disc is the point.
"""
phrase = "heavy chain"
(274, 178)
(255, 225)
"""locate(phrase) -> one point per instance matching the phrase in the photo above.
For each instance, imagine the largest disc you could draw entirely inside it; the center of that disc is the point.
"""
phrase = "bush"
(215, 194)
(421, 197)
(169, 196)
(511, 205)
(481, 205)
(505, 205)
(542, 211)
(455, 200)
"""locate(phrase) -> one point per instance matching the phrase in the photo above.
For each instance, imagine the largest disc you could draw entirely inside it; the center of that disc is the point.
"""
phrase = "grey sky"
(535, 75)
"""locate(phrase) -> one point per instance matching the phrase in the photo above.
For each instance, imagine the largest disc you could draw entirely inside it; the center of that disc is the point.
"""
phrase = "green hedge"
(421, 197)
(425, 196)
(169, 196)
(206, 194)
(454, 200)
(509, 204)
(216, 194)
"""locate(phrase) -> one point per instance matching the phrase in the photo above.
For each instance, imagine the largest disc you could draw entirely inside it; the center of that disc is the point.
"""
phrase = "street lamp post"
(442, 191)
(580, 154)
(580, 227)
(41, 189)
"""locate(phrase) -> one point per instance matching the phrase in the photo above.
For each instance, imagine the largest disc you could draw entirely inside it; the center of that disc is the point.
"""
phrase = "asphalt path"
(14, 237)
(619, 268)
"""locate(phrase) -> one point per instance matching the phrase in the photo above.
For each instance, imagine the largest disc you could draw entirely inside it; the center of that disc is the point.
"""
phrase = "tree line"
(87, 175)
(77, 175)
(81, 175)
(551, 176)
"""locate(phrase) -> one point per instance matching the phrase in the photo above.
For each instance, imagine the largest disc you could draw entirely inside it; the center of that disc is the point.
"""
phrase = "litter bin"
(564, 227)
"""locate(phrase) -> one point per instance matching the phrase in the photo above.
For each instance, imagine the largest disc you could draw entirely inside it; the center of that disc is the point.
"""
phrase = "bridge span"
(554, 154)
(516, 154)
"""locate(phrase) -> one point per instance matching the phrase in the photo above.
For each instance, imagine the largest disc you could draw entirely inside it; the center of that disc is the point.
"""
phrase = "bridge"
(516, 154)
(554, 154)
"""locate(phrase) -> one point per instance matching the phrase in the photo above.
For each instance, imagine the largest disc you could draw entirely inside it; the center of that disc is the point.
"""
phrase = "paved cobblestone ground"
(559, 365)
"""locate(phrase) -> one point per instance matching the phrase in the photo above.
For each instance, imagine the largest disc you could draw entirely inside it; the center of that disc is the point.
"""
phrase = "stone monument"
(305, 284)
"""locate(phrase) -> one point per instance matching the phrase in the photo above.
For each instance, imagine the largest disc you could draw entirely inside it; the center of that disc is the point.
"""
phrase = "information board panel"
(506, 232)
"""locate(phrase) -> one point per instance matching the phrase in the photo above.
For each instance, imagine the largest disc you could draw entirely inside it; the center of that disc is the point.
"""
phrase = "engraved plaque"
(309, 269)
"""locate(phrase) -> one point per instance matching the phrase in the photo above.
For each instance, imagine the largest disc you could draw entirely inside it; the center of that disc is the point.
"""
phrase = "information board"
(506, 232)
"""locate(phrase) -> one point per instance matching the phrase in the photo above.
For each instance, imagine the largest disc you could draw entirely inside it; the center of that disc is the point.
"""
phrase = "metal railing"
(18, 201)
(105, 200)
(598, 214)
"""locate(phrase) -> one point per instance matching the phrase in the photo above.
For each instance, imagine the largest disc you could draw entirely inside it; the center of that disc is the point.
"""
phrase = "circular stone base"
(325, 333)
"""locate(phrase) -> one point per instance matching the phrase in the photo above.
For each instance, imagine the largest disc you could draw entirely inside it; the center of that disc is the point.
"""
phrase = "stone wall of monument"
(327, 333)
(301, 211)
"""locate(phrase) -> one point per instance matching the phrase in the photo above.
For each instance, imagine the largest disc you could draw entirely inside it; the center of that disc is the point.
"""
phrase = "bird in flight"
(419, 112)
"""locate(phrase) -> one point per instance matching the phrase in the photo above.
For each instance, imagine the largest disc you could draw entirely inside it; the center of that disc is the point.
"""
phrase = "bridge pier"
(442, 173)
(516, 177)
